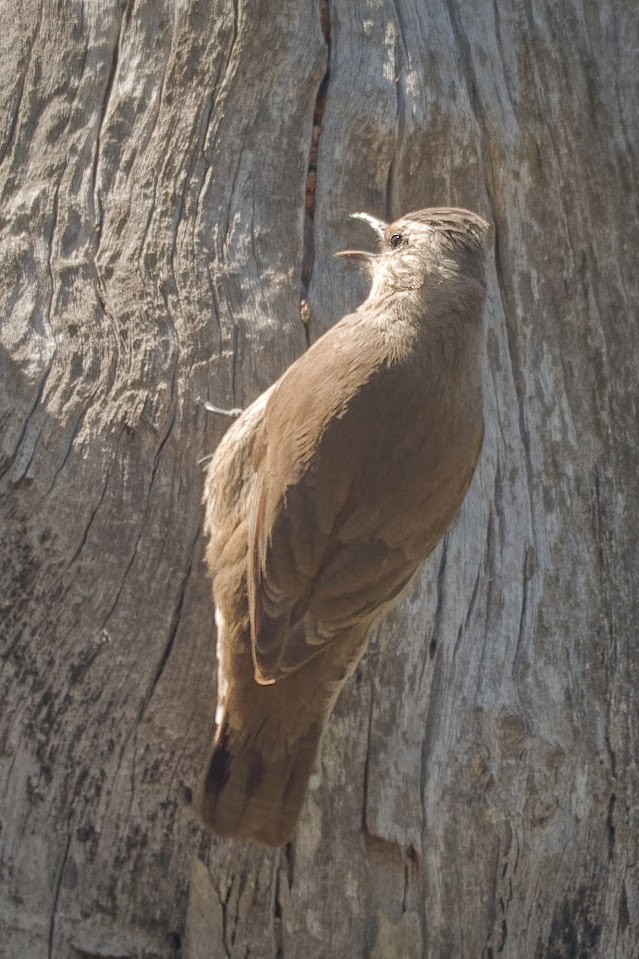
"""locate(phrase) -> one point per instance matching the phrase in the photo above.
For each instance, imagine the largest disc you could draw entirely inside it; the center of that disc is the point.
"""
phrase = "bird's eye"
(396, 240)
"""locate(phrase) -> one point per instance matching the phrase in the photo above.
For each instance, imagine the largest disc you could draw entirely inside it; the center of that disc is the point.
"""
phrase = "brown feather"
(322, 501)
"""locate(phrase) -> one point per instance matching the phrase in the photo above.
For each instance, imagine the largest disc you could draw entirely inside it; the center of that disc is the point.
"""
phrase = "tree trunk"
(159, 225)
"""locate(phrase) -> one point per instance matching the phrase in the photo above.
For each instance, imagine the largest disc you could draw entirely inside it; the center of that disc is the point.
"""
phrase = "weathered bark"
(480, 778)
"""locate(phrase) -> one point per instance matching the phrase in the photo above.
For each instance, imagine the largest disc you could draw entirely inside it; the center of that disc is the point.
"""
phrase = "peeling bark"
(173, 177)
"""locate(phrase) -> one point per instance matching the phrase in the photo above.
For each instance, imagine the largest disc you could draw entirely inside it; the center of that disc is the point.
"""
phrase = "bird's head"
(423, 250)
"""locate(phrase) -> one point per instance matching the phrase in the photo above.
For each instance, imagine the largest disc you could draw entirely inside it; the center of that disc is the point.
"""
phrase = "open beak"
(378, 225)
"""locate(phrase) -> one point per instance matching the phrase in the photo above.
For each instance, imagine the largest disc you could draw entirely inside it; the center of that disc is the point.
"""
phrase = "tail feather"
(268, 737)
(249, 793)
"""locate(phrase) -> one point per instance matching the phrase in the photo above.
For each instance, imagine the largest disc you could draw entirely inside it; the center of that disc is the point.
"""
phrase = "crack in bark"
(401, 60)
(604, 574)
(94, 513)
(279, 876)
(500, 49)
(610, 825)
(426, 661)
(623, 915)
(175, 624)
(516, 361)
(406, 887)
(441, 575)
(473, 597)
(609, 653)
(216, 308)
(56, 898)
(224, 72)
(498, 503)
(171, 638)
(236, 918)
(236, 346)
(513, 346)
(145, 506)
(54, 225)
(75, 431)
(37, 622)
(365, 828)
(224, 905)
(125, 15)
(12, 456)
(14, 124)
(308, 227)
(176, 766)
(526, 575)
(429, 727)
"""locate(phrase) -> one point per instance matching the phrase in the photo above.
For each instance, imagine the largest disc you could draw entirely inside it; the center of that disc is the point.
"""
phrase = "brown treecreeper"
(322, 501)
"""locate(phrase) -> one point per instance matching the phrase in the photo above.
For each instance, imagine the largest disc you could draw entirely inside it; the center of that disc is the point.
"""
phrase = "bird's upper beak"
(378, 225)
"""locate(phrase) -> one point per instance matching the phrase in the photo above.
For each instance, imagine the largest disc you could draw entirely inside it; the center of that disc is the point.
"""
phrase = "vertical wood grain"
(479, 778)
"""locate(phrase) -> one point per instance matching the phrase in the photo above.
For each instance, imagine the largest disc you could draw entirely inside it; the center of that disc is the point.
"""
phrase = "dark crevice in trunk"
(401, 64)
(54, 907)
(311, 176)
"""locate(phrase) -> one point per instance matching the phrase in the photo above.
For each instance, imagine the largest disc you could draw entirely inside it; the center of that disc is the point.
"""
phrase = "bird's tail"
(267, 740)
(253, 786)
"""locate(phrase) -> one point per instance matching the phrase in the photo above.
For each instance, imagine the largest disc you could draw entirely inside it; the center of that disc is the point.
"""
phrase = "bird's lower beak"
(358, 254)
(378, 225)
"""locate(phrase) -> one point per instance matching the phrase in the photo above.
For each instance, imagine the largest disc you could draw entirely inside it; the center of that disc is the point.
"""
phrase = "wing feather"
(328, 549)
(300, 594)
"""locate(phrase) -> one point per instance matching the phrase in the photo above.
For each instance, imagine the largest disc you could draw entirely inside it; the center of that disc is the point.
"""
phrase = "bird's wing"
(230, 478)
(318, 560)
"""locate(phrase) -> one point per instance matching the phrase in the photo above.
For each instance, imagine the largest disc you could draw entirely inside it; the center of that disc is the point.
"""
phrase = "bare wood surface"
(479, 791)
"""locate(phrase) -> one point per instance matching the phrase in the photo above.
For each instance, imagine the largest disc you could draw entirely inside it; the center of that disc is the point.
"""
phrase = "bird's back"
(322, 502)
(359, 482)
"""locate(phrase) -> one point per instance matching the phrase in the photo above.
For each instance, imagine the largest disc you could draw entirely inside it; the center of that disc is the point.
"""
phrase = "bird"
(322, 501)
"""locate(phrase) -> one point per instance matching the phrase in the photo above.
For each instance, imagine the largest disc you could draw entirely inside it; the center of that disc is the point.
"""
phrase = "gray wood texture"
(159, 225)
